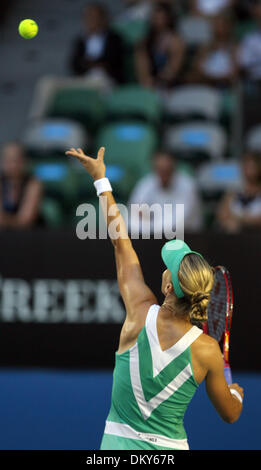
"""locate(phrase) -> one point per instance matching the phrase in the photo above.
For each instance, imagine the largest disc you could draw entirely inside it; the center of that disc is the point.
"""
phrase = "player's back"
(151, 392)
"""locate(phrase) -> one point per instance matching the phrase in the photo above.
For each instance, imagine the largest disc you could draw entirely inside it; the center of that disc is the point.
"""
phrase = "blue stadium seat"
(216, 178)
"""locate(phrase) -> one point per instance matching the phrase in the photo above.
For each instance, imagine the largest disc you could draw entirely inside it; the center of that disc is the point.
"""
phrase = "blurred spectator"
(243, 209)
(216, 63)
(136, 10)
(20, 194)
(212, 7)
(195, 28)
(99, 50)
(167, 185)
(139, 9)
(249, 54)
(160, 56)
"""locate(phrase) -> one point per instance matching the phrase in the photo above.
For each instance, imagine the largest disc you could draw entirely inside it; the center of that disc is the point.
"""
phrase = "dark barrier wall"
(5, 6)
(60, 305)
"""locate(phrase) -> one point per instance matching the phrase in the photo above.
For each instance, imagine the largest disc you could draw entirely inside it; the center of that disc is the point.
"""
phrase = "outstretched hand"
(94, 166)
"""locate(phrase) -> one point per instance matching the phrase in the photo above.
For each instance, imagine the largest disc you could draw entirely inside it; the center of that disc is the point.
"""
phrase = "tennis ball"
(28, 29)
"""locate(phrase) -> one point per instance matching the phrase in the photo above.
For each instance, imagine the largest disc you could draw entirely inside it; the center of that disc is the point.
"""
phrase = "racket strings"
(217, 309)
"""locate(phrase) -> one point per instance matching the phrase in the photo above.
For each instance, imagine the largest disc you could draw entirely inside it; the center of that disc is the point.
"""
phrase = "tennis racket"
(220, 310)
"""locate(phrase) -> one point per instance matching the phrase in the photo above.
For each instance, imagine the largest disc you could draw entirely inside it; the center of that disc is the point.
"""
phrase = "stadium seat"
(196, 141)
(59, 181)
(53, 137)
(84, 184)
(193, 102)
(195, 30)
(46, 142)
(93, 215)
(253, 138)
(134, 101)
(129, 147)
(85, 105)
(215, 178)
(52, 213)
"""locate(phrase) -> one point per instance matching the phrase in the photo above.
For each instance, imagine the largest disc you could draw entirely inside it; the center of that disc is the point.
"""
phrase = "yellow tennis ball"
(28, 29)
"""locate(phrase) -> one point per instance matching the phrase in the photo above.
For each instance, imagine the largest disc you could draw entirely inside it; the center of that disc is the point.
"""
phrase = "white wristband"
(235, 392)
(102, 185)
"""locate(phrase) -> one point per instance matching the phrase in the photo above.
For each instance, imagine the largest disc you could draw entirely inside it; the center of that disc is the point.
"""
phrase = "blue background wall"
(42, 409)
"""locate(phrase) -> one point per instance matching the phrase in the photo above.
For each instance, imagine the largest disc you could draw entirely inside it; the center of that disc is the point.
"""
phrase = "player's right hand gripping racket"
(220, 310)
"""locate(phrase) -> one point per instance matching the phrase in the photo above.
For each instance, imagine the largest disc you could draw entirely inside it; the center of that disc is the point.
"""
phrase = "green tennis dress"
(151, 392)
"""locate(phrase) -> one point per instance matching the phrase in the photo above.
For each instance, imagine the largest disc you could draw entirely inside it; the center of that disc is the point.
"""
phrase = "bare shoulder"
(205, 349)
(206, 342)
(206, 354)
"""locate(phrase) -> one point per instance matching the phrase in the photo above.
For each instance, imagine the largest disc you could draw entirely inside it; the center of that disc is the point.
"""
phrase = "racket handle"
(228, 375)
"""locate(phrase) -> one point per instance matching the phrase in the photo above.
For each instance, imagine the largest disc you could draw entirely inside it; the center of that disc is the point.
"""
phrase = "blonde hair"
(196, 278)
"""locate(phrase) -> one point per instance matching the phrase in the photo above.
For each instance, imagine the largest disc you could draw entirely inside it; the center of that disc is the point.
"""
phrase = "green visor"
(172, 254)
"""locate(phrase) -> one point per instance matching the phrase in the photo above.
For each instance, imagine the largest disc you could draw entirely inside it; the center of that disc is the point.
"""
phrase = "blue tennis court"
(44, 409)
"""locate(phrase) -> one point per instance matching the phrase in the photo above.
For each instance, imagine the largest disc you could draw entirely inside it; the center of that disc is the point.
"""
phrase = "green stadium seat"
(85, 105)
(129, 147)
(92, 216)
(136, 102)
(52, 213)
(84, 185)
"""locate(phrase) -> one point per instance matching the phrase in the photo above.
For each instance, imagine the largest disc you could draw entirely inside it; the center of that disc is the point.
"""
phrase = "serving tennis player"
(162, 356)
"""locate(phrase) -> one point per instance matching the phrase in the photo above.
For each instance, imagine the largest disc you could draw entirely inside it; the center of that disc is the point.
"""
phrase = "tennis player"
(162, 357)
